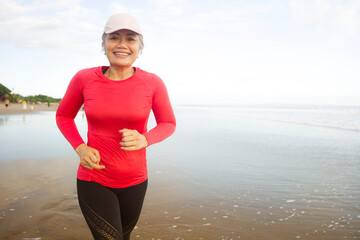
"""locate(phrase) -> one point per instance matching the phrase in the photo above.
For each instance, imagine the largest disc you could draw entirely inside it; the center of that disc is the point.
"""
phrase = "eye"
(131, 39)
(113, 38)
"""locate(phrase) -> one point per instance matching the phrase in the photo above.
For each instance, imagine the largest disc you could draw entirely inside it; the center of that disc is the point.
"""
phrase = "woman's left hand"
(132, 140)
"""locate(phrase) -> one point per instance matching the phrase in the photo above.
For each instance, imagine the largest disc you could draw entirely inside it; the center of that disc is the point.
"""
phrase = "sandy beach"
(17, 108)
(40, 202)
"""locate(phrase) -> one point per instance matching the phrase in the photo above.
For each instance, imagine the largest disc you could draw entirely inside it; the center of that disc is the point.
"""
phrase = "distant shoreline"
(17, 108)
(267, 105)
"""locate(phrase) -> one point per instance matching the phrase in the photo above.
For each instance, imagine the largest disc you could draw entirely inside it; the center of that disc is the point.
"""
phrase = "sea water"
(284, 172)
(35, 136)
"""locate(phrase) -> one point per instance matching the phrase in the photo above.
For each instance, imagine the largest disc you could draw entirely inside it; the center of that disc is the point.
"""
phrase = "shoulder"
(151, 79)
(86, 75)
(86, 72)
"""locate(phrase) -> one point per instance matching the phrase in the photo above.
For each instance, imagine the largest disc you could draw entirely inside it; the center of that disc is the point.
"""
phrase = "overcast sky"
(207, 52)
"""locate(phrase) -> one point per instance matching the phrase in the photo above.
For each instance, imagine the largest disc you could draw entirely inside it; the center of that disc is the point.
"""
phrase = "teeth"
(122, 54)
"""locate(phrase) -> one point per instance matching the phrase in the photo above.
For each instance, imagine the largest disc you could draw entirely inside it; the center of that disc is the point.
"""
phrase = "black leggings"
(111, 213)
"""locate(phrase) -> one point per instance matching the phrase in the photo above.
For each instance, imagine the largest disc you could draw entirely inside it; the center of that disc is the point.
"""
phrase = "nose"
(121, 43)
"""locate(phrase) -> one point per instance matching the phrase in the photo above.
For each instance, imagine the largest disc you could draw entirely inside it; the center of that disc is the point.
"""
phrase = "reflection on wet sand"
(39, 201)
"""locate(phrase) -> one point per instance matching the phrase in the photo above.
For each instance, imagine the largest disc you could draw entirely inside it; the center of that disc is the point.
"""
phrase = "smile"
(121, 54)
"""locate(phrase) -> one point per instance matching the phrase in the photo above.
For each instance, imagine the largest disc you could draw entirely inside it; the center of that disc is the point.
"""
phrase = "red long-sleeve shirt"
(109, 107)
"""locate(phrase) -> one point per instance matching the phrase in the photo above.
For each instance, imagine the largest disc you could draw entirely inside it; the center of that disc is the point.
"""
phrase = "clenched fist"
(132, 140)
(89, 157)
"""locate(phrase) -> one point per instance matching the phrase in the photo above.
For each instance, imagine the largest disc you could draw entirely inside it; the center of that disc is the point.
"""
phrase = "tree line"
(5, 93)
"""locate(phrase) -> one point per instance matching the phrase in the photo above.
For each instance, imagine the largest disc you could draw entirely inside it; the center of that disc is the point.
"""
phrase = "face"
(122, 48)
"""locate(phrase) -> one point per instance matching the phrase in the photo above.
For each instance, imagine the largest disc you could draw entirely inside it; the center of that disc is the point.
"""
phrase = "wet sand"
(38, 201)
(16, 108)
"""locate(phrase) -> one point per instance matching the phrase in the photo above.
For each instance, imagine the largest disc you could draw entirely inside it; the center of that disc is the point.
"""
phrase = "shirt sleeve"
(164, 115)
(67, 111)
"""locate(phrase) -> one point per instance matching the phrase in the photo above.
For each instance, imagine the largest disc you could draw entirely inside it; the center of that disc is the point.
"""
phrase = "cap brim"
(111, 30)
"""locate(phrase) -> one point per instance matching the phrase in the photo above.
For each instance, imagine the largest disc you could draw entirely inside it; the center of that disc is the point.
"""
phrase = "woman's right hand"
(89, 157)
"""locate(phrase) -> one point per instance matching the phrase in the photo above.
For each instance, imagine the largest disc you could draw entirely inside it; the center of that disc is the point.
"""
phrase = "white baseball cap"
(122, 21)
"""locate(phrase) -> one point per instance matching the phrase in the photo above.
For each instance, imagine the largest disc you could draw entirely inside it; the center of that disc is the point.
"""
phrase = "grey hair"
(141, 39)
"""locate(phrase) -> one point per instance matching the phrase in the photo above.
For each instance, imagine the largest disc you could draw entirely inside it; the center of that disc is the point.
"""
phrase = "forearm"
(67, 111)
(68, 128)
(160, 132)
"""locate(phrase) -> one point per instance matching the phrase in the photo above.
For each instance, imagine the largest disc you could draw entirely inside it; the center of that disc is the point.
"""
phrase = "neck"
(118, 74)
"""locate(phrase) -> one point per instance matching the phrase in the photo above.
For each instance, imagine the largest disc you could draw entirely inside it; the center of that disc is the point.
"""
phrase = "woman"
(112, 174)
